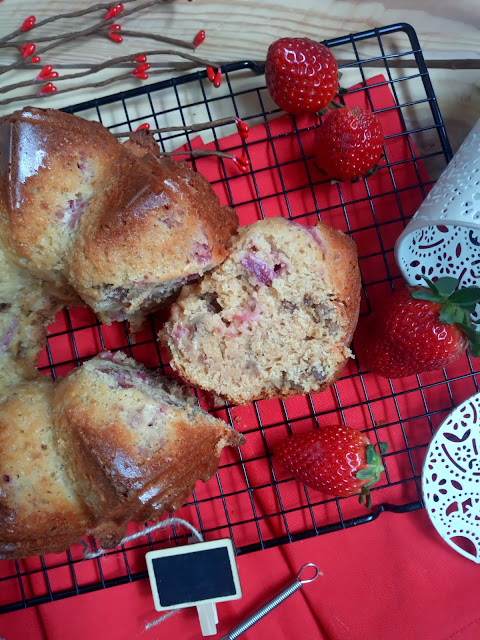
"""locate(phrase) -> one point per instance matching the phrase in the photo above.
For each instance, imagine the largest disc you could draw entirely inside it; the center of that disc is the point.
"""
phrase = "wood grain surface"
(449, 34)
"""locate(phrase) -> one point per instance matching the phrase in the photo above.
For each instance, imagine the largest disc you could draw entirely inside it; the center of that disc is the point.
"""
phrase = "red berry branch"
(65, 38)
(242, 127)
(95, 68)
(106, 31)
(31, 47)
(72, 14)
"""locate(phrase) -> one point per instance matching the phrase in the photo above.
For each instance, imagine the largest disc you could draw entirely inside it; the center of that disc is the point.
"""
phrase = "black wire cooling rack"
(250, 499)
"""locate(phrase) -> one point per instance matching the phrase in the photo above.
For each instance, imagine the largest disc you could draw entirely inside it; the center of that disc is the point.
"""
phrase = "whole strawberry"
(335, 459)
(301, 75)
(348, 144)
(419, 329)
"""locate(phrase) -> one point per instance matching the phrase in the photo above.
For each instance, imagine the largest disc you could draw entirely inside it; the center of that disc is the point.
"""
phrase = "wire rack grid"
(251, 499)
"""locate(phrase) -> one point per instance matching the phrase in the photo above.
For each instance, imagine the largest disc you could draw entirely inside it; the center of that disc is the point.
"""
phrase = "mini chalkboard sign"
(196, 575)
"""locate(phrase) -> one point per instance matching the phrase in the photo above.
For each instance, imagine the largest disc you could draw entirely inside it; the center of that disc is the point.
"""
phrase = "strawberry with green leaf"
(419, 329)
(335, 459)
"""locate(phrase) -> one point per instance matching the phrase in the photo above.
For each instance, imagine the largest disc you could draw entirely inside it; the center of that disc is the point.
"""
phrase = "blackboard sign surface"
(193, 574)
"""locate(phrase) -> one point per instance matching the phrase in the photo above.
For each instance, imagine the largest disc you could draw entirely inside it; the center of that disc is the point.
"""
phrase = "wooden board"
(244, 28)
(449, 35)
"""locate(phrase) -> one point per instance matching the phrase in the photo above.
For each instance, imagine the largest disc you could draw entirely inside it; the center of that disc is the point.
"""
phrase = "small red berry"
(242, 163)
(199, 38)
(141, 58)
(143, 127)
(141, 76)
(116, 37)
(47, 73)
(113, 12)
(28, 23)
(210, 74)
(28, 49)
(47, 89)
(141, 67)
(217, 81)
(242, 128)
(36, 59)
(115, 27)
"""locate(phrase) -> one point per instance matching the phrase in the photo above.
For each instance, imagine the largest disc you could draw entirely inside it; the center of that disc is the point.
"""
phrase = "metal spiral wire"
(274, 602)
(255, 617)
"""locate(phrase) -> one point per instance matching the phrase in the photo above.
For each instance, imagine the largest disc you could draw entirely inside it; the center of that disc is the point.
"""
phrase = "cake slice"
(274, 320)
(134, 443)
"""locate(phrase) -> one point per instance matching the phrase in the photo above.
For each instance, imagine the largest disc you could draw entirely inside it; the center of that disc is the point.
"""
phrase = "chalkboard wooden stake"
(195, 575)
(207, 614)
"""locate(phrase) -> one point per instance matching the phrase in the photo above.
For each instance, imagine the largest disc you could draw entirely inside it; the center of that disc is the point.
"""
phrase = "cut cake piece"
(274, 320)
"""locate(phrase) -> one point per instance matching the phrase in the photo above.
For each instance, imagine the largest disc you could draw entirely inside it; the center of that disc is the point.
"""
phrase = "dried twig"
(72, 14)
(199, 153)
(159, 38)
(95, 68)
(200, 126)
(101, 83)
(84, 32)
(184, 44)
(242, 162)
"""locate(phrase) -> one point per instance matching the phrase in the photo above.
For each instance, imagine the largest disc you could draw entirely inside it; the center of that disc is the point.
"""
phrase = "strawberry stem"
(371, 472)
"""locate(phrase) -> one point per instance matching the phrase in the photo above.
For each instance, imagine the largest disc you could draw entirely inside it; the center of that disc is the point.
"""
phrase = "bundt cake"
(275, 319)
(87, 220)
(109, 443)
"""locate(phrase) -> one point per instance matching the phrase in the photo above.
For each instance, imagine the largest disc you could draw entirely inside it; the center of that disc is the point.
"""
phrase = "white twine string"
(90, 555)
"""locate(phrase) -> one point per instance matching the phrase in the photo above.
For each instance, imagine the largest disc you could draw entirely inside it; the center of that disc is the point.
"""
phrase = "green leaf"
(469, 308)
(334, 104)
(446, 286)
(426, 294)
(460, 316)
(373, 481)
(369, 501)
(475, 349)
(364, 474)
(370, 451)
(383, 446)
(466, 297)
(473, 337)
(371, 172)
(447, 314)
(468, 330)
(431, 285)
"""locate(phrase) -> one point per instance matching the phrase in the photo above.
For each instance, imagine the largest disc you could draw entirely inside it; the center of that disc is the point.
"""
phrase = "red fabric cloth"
(391, 579)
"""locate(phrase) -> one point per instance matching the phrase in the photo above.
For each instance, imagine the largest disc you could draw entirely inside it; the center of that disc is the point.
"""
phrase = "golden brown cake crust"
(108, 444)
(165, 222)
(113, 224)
